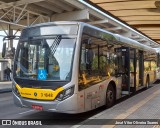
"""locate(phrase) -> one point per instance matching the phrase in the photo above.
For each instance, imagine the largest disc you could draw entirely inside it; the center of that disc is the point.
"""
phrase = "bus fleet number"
(46, 95)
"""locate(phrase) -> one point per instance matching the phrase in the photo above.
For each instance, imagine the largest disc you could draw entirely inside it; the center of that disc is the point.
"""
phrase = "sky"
(2, 34)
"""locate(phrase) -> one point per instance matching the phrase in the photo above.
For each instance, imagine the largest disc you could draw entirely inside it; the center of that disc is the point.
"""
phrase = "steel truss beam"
(18, 3)
(15, 14)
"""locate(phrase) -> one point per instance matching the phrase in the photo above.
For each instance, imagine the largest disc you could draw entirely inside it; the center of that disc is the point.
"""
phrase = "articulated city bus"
(73, 67)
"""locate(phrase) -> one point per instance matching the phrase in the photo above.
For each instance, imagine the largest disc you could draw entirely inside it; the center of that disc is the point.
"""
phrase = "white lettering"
(14, 122)
(119, 122)
(128, 122)
(141, 122)
(34, 123)
(148, 122)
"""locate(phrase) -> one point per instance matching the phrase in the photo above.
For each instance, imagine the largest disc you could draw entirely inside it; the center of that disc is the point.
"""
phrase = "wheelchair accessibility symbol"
(42, 75)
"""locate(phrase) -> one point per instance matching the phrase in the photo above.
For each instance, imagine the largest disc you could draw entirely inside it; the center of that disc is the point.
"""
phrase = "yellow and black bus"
(74, 67)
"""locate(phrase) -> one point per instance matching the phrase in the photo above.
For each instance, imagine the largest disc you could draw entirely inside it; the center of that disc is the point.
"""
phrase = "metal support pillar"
(10, 44)
(10, 33)
(3, 66)
(2, 71)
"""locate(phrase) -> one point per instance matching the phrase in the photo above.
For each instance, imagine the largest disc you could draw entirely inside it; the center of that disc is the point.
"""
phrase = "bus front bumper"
(67, 106)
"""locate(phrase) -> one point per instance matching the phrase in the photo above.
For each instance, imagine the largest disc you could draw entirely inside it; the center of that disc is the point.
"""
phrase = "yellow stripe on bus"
(39, 94)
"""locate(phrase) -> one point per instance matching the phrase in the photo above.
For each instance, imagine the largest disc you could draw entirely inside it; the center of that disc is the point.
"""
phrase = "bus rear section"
(112, 66)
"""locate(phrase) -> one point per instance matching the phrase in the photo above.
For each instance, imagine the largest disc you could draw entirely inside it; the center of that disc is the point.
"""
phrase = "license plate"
(37, 107)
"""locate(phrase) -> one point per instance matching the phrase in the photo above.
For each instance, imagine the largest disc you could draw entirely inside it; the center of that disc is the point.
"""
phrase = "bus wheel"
(110, 96)
(147, 82)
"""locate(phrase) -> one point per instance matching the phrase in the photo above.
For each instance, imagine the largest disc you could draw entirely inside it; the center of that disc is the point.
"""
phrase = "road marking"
(27, 111)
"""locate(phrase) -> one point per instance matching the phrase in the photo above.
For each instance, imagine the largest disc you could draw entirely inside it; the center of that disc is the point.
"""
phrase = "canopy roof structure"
(142, 15)
(138, 20)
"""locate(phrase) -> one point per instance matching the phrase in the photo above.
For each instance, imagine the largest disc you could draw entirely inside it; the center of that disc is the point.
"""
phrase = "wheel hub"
(110, 96)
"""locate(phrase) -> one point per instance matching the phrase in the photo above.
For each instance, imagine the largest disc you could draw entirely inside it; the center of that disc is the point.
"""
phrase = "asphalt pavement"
(5, 86)
(8, 111)
(144, 105)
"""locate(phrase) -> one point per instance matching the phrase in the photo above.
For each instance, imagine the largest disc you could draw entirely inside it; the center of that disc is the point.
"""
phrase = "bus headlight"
(65, 93)
(14, 88)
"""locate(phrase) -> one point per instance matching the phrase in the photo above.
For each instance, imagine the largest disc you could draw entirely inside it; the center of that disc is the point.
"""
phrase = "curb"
(5, 90)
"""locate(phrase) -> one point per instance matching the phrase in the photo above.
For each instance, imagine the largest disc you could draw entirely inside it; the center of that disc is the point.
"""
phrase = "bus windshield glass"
(48, 58)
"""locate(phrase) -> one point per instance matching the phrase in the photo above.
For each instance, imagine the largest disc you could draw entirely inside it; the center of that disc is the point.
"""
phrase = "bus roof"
(120, 39)
(133, 43)
(125, 41)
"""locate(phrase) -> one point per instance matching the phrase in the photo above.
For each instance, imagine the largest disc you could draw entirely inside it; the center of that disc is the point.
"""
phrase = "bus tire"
(147, 82)
(110, 96)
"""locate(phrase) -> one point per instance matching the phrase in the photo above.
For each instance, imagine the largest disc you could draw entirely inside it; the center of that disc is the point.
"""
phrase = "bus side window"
(88, 64)
(89, 59)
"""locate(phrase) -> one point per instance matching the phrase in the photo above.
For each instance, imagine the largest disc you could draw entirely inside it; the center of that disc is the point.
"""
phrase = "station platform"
(5, 86)
(141, 111)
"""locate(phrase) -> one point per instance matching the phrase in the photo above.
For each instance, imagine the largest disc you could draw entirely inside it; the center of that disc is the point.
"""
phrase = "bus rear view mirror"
(4, 50)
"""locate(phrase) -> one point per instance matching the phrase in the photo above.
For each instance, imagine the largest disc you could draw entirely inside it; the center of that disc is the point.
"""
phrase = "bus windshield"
(45, 58)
